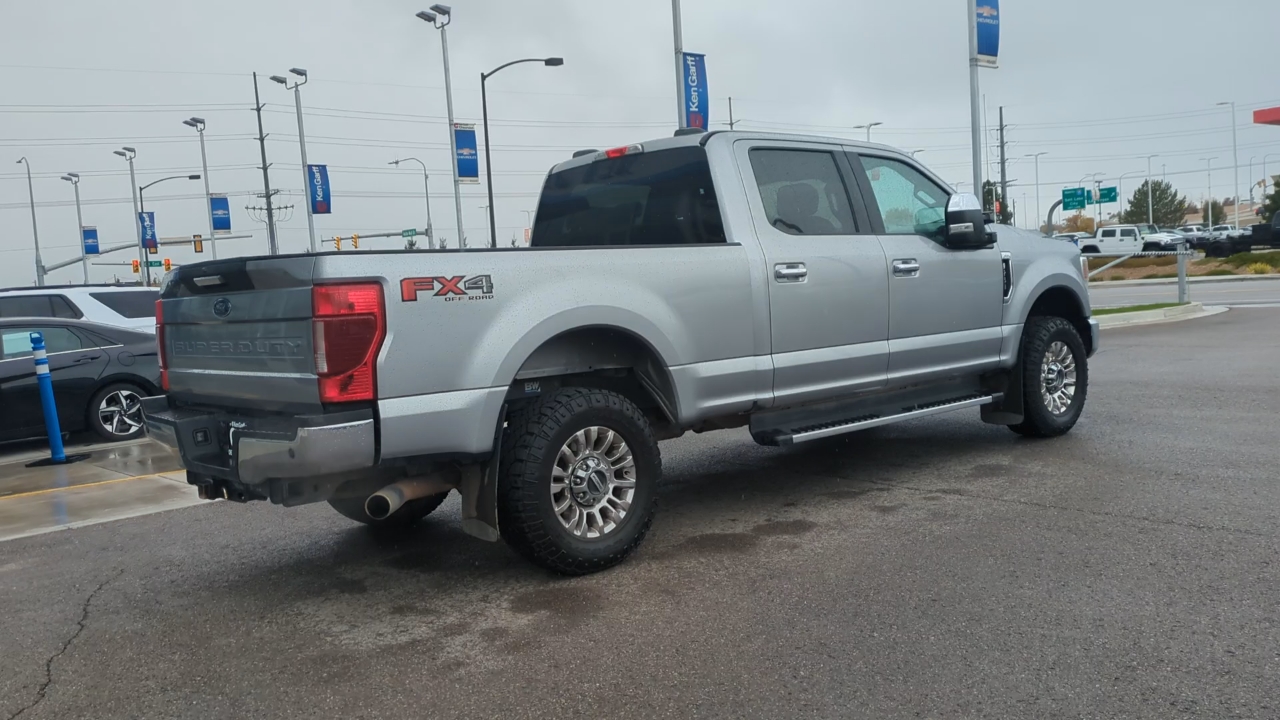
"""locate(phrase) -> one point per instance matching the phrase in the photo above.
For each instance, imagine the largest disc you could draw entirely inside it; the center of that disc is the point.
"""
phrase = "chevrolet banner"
(464, 139)
(988, 32)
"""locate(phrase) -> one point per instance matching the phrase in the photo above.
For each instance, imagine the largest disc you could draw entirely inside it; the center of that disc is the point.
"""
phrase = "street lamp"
(440, 16)
(1097, 205)
(129, 154)
(142, 205)
(1235, 154)
(35, 232)
(74, 179)
(1036, 157)
(198, 124)
(302, 144)
(867, 127)
(1207, 215)
(484, 109)
(426, 193)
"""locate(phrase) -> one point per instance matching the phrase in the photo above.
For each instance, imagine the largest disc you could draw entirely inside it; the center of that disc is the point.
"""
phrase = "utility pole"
(975, 116)
(273, 246)
(1004, 178)
(35, 232)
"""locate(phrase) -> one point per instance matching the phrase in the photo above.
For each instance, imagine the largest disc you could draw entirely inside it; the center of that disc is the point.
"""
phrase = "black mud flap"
(479, 491)
(1007, 410)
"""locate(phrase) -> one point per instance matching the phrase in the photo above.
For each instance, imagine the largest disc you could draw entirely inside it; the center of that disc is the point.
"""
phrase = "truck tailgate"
(238, 333)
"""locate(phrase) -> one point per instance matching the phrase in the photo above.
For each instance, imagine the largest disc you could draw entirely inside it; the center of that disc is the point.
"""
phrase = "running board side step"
(816, 432)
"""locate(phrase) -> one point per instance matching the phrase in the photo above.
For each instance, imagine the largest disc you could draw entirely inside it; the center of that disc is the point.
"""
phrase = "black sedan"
(100, 374)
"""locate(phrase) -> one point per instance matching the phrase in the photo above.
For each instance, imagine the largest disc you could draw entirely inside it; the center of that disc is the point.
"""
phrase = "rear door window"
(648, 198)
(140, 304)
(802, 191)
(16, 342)
(1108, 233)
(27, 306)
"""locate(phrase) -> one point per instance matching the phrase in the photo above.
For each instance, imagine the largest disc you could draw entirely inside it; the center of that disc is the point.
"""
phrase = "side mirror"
(965, 226)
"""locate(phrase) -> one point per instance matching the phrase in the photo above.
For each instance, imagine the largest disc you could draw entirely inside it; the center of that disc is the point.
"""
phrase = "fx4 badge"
(476, 287)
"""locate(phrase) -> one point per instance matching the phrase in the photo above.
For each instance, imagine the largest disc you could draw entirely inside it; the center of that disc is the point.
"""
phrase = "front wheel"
(578, 479)
(1055, 377)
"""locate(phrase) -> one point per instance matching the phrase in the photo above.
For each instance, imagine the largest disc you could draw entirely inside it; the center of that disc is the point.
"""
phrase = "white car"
(1223, 232)
(122, 306)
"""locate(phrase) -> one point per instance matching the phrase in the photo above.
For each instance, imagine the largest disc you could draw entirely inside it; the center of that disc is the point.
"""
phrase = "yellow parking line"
(84, 485)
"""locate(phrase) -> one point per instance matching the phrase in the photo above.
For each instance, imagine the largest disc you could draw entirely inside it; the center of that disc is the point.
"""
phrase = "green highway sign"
(1108, 195)
(408, 233)
(155, 263)
(1073, 198)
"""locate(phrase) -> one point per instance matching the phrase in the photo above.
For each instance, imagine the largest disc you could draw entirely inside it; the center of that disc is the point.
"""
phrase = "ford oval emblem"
(222, 307)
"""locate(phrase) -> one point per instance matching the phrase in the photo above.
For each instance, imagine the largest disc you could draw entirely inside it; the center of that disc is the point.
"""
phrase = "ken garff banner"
(695, 90)
(148, 222)
(90, 236)
(464, 138)
(988, 32)
(318, 190)
(220, 212)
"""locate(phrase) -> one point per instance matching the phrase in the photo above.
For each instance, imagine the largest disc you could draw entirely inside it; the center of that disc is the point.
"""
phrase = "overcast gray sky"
(1095, 83)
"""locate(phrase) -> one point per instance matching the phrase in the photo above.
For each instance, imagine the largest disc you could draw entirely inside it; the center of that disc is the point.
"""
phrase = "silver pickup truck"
(800, 287)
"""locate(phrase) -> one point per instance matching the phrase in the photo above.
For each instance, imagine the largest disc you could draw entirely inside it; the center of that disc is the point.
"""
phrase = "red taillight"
(164, 366)
(620, 151)
(347, 330)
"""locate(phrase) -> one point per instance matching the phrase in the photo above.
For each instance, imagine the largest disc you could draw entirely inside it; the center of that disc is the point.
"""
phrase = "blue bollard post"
(51, 425)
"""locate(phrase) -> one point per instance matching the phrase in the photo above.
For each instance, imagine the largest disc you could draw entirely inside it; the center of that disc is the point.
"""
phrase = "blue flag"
(695, 90)
(148, 222)
(988, 32)
(90, 236)
(318, 191)
(220, 212)
(464, 137)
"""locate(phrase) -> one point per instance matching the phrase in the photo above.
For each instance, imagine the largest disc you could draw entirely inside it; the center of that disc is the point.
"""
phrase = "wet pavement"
(940, 568)
(116, 481)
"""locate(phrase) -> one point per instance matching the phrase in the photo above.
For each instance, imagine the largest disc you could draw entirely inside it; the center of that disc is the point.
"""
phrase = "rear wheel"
(1152, 247)
(408, 514)
(578, 480)
(1055, 377)
(115, 412)
(1089, 250)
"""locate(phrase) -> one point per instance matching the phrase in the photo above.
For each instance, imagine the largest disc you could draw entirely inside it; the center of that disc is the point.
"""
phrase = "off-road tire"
(534, 435)
(1038, 334)
(408, 514)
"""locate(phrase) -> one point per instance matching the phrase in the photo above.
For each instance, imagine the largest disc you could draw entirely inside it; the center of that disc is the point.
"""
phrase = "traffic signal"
(197, 243)
(137, 267)
(167, 265)
(355, 241)
(153, 251)
(337, 243)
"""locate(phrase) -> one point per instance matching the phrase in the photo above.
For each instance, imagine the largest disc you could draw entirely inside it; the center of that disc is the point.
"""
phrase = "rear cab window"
(663, 197)
(139, 304)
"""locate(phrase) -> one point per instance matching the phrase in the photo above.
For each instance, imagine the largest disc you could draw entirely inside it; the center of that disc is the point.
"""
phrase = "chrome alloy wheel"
(1058, 378)
(121, 412)
(593, 482)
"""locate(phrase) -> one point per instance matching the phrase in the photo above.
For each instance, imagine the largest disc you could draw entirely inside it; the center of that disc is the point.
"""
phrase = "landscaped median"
(1165, 267)
(1154, 313)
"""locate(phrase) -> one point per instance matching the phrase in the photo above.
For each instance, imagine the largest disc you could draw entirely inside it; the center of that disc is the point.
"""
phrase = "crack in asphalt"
(48, 665)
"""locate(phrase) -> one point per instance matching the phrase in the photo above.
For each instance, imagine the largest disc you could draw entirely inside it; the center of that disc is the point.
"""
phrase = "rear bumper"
(252, 450)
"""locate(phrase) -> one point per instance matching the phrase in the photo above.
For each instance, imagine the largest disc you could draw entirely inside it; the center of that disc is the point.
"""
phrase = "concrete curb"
(1164, 315)
(1174, 281)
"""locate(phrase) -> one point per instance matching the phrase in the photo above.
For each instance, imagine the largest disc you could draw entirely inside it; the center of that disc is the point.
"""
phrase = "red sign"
(1267, 116)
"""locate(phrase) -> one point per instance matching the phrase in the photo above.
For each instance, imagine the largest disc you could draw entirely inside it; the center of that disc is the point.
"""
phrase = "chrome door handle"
(906, 268)
(790, 272)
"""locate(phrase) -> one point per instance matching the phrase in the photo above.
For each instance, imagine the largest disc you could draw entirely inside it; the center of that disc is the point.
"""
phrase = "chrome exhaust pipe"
(391, 498)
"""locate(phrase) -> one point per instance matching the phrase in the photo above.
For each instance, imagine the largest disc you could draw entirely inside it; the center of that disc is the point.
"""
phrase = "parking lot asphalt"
(942, 568)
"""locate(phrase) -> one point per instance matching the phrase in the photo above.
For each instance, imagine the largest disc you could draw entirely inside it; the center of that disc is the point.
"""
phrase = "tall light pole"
(867, 127)
(440, 16)
(678, 34)
(74, 179)
(975, 98)
(129, 154)
(488, 151)
(1235, 157)
(35, 231)
(1036, 157)
(1097, 206)
(302, 145)
(198, 124)
(426, 194)
(1151, 210)
(1207, 216)
(1265, 177)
